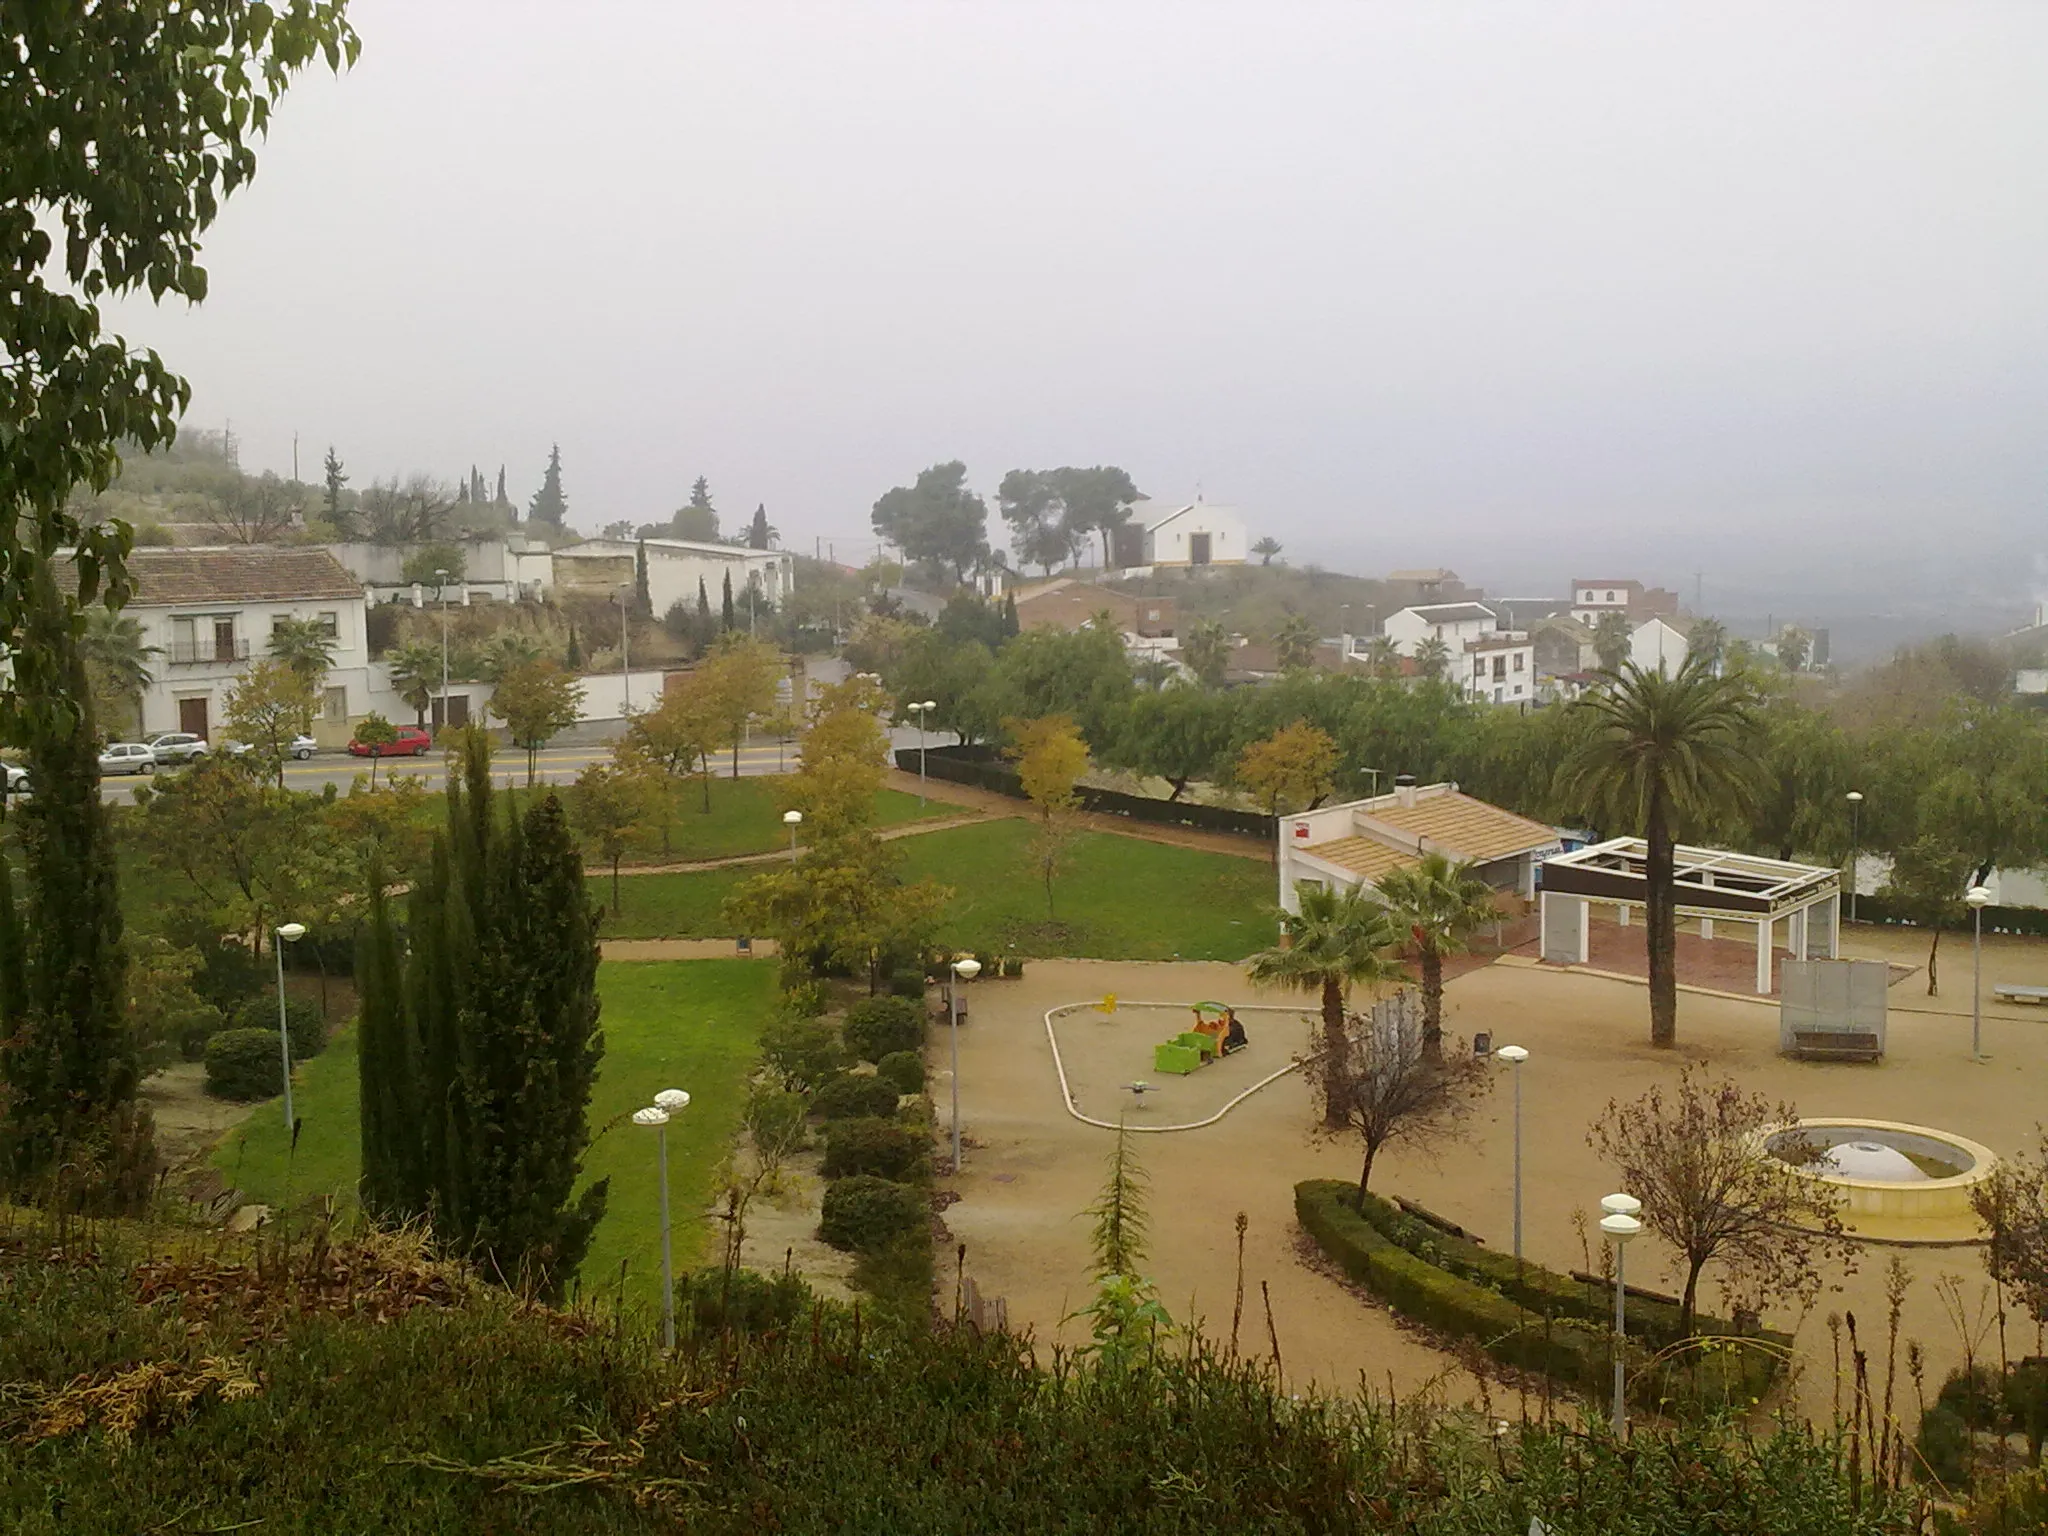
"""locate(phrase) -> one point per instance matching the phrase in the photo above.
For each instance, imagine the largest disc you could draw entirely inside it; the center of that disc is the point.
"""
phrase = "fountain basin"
(1892, 1179)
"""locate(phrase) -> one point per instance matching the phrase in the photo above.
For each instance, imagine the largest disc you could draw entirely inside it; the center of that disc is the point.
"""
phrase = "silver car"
(178, 747)
(127, 757)
(301, 747)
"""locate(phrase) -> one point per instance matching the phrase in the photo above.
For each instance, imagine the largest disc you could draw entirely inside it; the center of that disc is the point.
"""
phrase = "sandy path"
(781, 855)
(1031, 1168)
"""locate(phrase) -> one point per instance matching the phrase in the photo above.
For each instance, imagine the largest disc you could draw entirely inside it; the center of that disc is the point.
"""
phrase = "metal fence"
(982, 768)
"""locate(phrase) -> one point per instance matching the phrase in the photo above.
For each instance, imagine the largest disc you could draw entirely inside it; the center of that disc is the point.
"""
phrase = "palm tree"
(1294, 642)
(1708, 640)
(1611, 637)
(505, 650)
(1336, 939)
(415, 673)
(1266, 549)
(1205, 649)
(1432, 656)
(118, 663)
(305, 645)
(1383, 657)
(1666, 750)
(1439, 903)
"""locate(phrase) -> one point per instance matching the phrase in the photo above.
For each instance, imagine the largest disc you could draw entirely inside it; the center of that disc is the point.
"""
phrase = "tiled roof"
(1465, 827)
(1363, 856)
(1451, 613)
(242, 573)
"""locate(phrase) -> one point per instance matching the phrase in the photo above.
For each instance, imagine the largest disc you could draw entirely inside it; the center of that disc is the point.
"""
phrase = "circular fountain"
(1896, 1183)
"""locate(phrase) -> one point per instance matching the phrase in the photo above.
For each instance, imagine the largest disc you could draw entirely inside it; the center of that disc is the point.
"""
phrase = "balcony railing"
(199, 653)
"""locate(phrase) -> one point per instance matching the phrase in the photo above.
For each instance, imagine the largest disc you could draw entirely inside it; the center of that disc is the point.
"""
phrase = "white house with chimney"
(1358, 843)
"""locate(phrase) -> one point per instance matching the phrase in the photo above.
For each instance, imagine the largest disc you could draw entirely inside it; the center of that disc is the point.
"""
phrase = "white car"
(178, 747)
(17, 779)
(127, 757)
(302, 747)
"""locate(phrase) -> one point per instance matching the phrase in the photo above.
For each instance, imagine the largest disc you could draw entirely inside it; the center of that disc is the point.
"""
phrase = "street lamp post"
(667, 1103)
(625, 652)
(441, 591)
(964, 969)
(1855, 845)
(287, 933)
(792, 820)
(1979, 897)
(1514, 1056)
(1620, 1224)
(921, 710)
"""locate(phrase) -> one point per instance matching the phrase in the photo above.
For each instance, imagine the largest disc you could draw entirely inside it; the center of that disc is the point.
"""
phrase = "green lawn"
(1120, 898)
(746, 817)
(692, 1024)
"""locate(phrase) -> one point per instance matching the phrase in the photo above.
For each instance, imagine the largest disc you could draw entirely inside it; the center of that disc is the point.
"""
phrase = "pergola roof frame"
(1616, 871)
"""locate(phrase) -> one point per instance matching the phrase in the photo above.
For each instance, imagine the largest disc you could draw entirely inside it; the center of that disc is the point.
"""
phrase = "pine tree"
(336, 479)
(548, 505)
(703, 604)
(726, 619)
(67, 1059)
(643, 601)
(758, 531)
(502, 499)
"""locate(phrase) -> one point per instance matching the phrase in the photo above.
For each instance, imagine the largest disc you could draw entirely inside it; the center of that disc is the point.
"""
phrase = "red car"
(411, 742)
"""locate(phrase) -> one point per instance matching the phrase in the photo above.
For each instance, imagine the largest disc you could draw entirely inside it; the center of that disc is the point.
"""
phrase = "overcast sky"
(1522, 290)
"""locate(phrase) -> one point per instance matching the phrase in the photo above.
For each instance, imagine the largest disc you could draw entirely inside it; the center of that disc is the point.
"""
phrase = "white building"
(1631, 599)
(209, 612)
(1657, 646)
(1358, 843)
(1190, 534)
(675, 570)
(1501, 668)
(495, 568)
(1456, 624)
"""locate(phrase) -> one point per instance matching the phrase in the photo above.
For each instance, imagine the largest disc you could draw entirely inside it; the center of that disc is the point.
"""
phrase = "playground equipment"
(1216, 1033)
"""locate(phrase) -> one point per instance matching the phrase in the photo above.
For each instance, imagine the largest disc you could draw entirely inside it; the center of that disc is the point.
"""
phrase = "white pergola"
(1712, 885)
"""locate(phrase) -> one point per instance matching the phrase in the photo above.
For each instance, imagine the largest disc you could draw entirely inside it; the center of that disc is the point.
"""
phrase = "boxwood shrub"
(885, 1148)
(302, 1022)
(903, 1068)
(243, 1064)
(865, 1214)
(879, 1026)
(851, 1096)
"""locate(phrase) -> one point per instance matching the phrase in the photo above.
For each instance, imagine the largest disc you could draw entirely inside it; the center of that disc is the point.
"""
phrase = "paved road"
(556, 765)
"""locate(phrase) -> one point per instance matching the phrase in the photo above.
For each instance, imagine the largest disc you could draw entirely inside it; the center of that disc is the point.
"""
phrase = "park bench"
(1845, 1044)
(2012, 992)
(1443, 1224)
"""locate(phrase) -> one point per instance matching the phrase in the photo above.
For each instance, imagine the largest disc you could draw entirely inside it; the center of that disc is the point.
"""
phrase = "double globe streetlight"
(792, 820)
(667, 1104)
(1620, 1223)
(921, 710)
(1978, 897)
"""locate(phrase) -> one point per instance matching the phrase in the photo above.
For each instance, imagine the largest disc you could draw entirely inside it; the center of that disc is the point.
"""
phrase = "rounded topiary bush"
(865, 1214)
(302, 1022)
(243, 1064)
(850, 1096)
(884, 1148)
(908, 983)
(877, 1026)
(903, 1069)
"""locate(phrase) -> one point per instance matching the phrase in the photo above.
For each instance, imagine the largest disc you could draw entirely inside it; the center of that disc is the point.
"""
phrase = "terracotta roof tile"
(1363, 856)
(1466, 828)
(253, 573)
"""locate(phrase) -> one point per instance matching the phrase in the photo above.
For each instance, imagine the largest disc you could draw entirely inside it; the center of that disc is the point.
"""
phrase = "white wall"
(1517, 683)
(673, 570)
(1168, 544)
(176, 676)
(1409, 628)
(1657, 647)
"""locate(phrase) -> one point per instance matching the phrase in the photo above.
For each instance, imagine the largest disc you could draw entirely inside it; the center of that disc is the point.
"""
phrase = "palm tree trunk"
(1660, 925)
(1336, 1055)
(1432, 1003)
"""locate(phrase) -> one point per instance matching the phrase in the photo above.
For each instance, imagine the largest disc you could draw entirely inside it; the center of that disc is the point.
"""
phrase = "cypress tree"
(725, 614)
(503, 500)
(643, 601)
(67, 1059)
(573, 660)
(1010, 616)
(394, 1183)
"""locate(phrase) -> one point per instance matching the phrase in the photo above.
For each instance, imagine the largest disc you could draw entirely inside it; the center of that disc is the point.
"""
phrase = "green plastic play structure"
(1216, 1034)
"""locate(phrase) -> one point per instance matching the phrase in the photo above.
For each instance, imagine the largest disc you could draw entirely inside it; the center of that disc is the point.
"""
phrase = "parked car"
(411, 742)
(178, 747)
(302, 747)
(127, 757)
(17, 779)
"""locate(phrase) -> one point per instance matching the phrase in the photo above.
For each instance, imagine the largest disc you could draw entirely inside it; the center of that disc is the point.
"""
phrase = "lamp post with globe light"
(1620, 1224)
(667, 1104)
(964, 969)
(921, 710)
(1978, 897)
(792, 820)
(287, 933)
(1514, 1056)
(1855, 845)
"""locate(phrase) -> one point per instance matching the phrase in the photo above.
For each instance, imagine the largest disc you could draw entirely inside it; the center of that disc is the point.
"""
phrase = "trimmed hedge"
(865, 1214)
(302, 1022)
(880, 1026)
(243, 1064)
(1558, 1338)
(850, 1096)
(905, 1069)
(884, 1148)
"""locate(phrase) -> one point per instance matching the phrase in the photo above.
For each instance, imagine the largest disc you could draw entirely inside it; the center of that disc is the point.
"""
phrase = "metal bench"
(1843, 1043)
(2012, 992)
